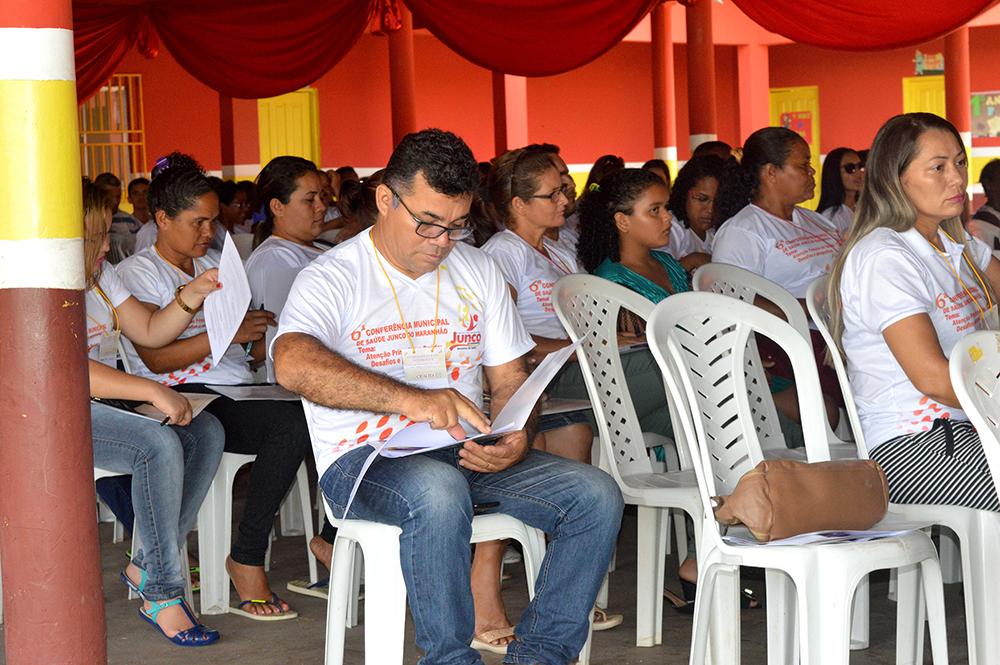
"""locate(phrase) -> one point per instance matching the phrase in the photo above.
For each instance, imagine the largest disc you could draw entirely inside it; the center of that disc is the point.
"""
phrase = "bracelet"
(180, 302)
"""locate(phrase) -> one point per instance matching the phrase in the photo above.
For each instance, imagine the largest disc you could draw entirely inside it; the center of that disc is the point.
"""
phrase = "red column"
(402, 77)
(958, 82)
(754, 88)
(701, 72)
(227, 137)
(53, 600)
(664, 112)
(510, 112)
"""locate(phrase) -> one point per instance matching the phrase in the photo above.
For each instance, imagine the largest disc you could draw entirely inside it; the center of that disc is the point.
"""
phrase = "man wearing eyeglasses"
(398, 325)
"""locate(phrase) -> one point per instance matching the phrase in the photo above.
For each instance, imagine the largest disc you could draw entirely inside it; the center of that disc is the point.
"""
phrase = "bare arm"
(305, 366)
(183, 352)
(108, 382)
(155, 328)
(915, 345)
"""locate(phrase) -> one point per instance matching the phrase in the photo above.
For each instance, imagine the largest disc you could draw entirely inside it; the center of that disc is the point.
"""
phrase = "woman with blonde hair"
(909, 284)
(172, 467)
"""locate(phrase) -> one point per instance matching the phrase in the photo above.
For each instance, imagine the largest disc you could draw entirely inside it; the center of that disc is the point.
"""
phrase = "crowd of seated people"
(462, 256)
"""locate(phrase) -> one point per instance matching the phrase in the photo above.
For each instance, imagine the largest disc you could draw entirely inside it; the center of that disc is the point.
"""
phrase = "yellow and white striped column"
(51, 572)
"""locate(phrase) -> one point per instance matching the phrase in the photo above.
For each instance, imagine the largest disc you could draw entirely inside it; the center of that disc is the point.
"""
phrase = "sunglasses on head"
(853, 167)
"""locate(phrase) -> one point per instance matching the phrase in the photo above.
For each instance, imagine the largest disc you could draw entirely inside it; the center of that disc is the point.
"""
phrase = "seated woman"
(185, 208)
(172, 466)
(692, 203)
(841, 184)
(294, 210)
(233, 205)
(905, 252)
(768, 233)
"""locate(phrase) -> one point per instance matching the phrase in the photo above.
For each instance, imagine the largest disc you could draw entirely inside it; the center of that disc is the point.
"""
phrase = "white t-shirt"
(146, 236)
(344, 300)
(683, 241)
(887, 277)
(982, 229)
(789, 253)
(100, 319)
(151, 279)
(841, 216)
(533, 275)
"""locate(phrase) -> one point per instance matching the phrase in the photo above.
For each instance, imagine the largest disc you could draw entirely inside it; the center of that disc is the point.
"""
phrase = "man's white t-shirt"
(344, 300)
(146, 236)
(151, 279)
(887, 277)
(533, 275)
(841, 216)
(789, 253)
(100, 319)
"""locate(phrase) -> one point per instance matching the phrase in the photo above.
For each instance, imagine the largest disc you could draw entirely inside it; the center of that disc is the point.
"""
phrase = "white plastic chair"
(385, 591)
(747, 286)
(975, 371)
(215, 520)
(700, 341)
(588, 308)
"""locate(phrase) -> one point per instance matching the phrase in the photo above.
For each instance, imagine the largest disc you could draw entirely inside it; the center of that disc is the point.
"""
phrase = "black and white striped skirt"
(944, 465)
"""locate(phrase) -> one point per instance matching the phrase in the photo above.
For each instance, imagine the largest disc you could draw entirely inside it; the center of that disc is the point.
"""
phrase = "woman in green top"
(621, 225)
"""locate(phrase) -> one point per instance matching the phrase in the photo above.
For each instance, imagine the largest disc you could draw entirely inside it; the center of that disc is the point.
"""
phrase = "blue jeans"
(172, 468)
(430, 498)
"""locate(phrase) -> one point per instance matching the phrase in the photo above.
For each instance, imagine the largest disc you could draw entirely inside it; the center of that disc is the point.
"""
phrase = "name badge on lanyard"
(991, 319)
(426, 367)
(108, 346)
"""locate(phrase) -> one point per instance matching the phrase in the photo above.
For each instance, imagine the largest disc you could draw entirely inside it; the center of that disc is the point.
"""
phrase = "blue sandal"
(138, 589)
(198, 635)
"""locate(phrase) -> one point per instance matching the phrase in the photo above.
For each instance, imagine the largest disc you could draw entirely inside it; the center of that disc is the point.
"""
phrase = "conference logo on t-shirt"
(954, 309)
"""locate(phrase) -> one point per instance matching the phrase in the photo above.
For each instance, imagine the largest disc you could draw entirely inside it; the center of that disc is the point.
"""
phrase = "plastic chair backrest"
(744, 285)
(820, 315)
(588, 308)
(975, 375)
(704, 338)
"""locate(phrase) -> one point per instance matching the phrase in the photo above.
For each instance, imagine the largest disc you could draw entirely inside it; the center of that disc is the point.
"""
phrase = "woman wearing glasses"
(840, 187)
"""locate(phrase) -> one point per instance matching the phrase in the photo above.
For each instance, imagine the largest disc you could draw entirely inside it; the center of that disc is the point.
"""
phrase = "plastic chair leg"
(292, 522)
(949, 555)
(860, 615)
(304, 503)
(385, 598)
(646, 590)
(662, 542)
(824, 623)
(782, 632)
(338, 601)
(214, 524)
(724, 630)
(909, 616)
(933, 594)
(357, 558)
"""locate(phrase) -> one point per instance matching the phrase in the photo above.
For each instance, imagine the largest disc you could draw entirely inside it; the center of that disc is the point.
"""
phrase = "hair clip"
(594, 187)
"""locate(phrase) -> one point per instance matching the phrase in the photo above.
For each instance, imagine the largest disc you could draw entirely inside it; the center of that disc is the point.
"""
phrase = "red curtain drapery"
(251, 49)
(862, 25)
(530, 37)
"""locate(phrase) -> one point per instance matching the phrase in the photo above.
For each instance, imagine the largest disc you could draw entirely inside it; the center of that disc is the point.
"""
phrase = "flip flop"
(605, 621)
(320, 589)
(274, 602)
(484, 641)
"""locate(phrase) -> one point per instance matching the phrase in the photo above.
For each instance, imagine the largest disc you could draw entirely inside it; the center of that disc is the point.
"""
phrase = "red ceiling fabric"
(242, 49)
(862, 25)
(530, 37)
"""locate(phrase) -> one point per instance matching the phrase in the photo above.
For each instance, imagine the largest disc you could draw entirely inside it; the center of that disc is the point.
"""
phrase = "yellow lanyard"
(402, 319)
(944, 257)
(183, 274)
(114, 312)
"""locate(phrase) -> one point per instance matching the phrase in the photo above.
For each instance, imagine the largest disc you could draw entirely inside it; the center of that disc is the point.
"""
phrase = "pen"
(249, 345)
(164, 421)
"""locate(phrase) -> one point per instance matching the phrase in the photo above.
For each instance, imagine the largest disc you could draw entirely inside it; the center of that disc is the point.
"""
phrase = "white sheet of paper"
(421, 437)
(226, 307)
(198, 403)
(258, 392)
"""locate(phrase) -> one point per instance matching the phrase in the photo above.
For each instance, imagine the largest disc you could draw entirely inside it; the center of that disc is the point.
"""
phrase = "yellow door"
(798, 109)
(923, 94)
(289, 125)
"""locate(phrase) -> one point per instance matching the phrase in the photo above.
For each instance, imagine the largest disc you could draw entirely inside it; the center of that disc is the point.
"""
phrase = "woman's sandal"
(485, 641)
(274, 601)
(685, 605)
(199, 635)
(137, 589)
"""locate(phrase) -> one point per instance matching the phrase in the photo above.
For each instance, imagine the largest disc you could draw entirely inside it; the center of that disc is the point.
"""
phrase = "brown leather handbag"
(783, 498)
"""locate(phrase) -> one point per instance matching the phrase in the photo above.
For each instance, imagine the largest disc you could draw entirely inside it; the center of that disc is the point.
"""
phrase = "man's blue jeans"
(430, 498)
(172, 468)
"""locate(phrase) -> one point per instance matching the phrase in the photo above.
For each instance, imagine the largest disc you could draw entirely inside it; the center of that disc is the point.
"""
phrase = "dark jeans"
(276, 432)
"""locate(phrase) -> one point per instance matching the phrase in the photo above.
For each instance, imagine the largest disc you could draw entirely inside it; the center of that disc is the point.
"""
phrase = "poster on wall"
(799, 122)
(986, 114)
